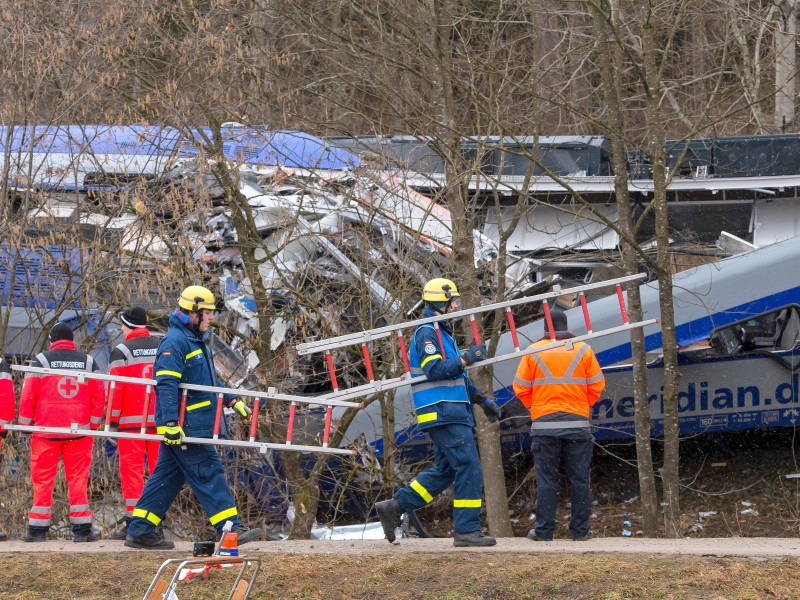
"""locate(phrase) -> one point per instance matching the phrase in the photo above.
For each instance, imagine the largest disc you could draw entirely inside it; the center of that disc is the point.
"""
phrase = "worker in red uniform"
(51, 400)
(131, 401)
(8, 409)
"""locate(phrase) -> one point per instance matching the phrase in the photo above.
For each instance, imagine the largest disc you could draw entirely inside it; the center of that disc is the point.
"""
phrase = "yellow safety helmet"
(439, 290)
(195, 298)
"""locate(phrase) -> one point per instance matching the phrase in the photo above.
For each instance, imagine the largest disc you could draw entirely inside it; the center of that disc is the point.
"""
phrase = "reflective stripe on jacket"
(60, 400)
(133, 358)
(559, 380)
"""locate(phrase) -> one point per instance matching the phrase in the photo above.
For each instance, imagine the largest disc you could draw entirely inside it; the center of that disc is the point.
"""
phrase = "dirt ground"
(740, 524)
(431, 569)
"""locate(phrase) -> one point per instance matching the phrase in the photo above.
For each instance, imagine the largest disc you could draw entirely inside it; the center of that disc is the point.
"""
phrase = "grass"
(433, 577)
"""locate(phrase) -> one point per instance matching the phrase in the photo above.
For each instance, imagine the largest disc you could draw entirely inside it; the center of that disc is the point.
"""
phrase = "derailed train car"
(737, 327)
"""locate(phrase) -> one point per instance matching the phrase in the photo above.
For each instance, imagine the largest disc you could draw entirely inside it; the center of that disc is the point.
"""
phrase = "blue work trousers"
(456, 461)
(201, 466)
(576, 455)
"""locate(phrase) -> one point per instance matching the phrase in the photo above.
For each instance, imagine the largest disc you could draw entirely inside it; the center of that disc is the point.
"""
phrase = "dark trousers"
(201, 467)
(456, 461)
(549, 453)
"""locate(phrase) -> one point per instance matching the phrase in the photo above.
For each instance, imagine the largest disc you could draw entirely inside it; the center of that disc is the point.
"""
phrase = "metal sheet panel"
(556, 226)
(775, 220)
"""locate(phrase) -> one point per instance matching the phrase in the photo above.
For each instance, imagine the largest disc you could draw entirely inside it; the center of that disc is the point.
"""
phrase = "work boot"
(532, 536)
(149, 541)
(90, 536)
(121, 532)
(474, 538)
(390, 513)
(3, 535)
(35, 534)
(245, 534)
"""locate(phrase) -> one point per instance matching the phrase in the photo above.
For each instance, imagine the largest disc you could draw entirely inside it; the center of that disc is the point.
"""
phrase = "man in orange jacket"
(51, 400)
(8, 409)
(559, 386)
(133, 358)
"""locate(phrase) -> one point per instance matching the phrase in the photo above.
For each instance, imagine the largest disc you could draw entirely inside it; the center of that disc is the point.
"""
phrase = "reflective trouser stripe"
(39, 516)
(417, 487)
(80, 514)
(467, 503)
(146, 514)
(223, 514)
(76, 455)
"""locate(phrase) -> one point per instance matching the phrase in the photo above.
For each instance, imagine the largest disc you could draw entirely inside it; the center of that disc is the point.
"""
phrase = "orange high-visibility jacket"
(559, 380)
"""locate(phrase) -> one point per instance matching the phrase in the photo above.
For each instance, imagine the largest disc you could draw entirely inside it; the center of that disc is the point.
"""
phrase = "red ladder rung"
(331, 370)
(145, 412)
(585, 308)
(512, 328)
(548, 317)
(404, 353)
(218, 417)
(475, 335)
(367, 362)
(112, 386)
(254, 419)
(290, 425)
(182, 413)
(326, 433)
(623, 311)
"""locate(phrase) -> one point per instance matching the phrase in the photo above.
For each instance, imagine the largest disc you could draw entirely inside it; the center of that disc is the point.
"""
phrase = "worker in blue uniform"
(184, 357)
(443, 405)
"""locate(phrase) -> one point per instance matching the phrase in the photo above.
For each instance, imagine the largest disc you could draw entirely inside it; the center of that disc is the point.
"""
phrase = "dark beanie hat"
(134, 317)
(61, 331)
(559, 320)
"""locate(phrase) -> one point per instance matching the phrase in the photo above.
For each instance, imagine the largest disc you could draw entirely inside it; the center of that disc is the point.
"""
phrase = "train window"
(773, 330)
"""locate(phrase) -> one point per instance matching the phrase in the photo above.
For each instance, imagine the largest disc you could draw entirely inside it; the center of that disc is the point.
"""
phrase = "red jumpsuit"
(60, 401)
(8, 401)
(134, 358)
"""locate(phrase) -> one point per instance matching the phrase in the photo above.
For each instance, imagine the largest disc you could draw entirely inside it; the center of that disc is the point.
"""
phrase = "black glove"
(475, 354)
(3, 434)
(490, 408)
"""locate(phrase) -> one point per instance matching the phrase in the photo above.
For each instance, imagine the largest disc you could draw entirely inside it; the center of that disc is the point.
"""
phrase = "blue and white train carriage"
(737, 325)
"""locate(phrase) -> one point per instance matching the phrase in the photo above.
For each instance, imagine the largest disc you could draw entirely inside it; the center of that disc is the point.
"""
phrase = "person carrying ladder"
(443, 405)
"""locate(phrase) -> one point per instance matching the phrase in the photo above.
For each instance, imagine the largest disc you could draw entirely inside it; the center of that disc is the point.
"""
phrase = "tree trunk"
(785, 63)
(463, 220)
(657, 137)
(611, 63)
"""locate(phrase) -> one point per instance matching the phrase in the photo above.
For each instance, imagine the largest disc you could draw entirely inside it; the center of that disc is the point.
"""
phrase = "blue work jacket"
(185, 357)
(446, 395)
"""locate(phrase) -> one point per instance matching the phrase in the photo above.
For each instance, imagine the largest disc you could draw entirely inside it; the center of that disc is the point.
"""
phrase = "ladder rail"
(383, 385)
(262, 447)
(386, 331)
(269, 395)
